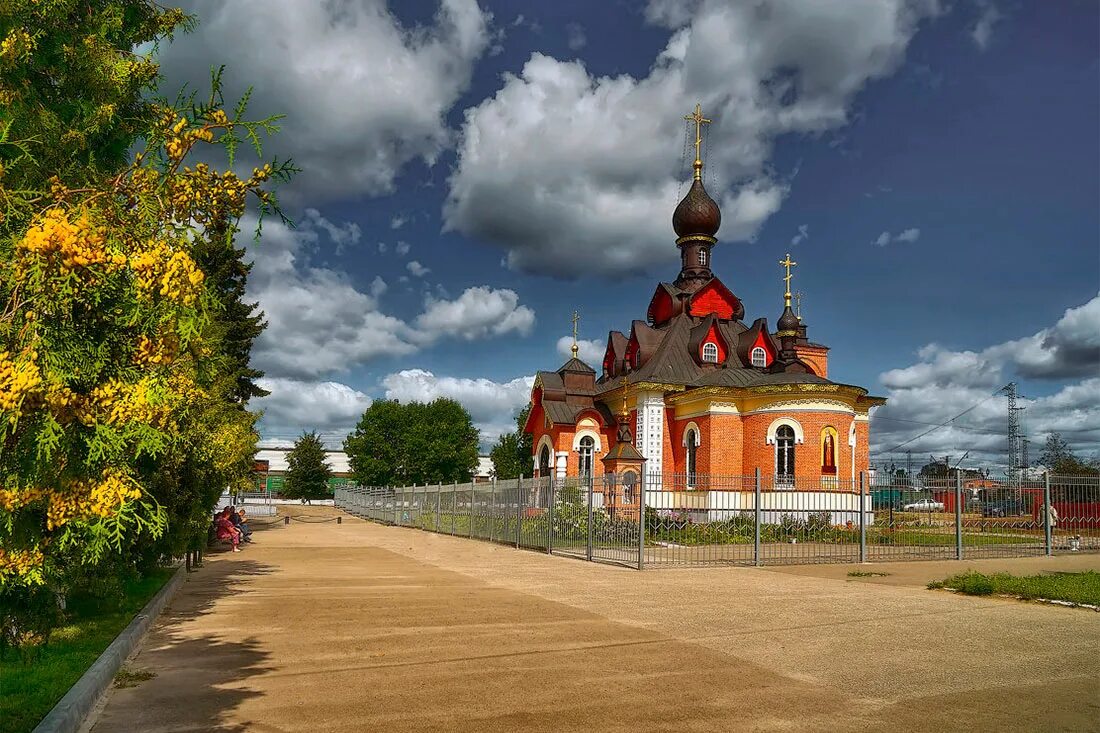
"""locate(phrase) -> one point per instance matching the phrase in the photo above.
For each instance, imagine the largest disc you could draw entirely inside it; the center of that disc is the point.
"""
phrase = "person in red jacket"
(225, 529)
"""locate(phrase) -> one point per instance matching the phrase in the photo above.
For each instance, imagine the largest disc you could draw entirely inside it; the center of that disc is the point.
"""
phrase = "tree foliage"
(120, 417)
(235, 321)
(72, 90)
(512, 454)
(400, 444)
(1059, 458)
(307, 473)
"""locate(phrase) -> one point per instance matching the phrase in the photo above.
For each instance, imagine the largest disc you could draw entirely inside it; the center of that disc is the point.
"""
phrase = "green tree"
(1059, 458)
(450, 451)
(73, 94)
(512, 453)
(376, 448)
(117, 417)
(396, 444)
(307, 473)
(236, 321)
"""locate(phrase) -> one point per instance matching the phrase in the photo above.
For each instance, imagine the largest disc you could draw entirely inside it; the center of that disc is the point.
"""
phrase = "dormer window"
(703, 257)
(759, 357)
(710, 352)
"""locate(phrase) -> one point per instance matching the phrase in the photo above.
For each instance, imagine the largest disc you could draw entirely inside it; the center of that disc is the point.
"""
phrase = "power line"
(946, 423)
(970, 428)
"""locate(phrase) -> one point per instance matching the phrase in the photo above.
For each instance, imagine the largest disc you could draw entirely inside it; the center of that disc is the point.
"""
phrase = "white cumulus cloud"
(476, 313)
(596, 193)
(906, 235)
(363, 94)
(320, 322)
(492, 405)
(945, 382)
(295, 404)
(982, 32)
(591, 351)
(416, 269)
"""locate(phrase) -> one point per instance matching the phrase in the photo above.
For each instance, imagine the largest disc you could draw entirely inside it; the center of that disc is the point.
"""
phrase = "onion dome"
(788, 322)
(697, 214)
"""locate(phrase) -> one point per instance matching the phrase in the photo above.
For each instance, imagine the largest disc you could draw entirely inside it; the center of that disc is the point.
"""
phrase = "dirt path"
(359, 627)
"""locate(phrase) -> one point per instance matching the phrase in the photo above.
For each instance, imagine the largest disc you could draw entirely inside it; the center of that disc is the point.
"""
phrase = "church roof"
(576, 365)
(673, 363)
(565, 413)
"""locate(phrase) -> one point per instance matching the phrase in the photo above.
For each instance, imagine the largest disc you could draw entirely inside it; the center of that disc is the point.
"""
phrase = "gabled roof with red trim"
(716, 286)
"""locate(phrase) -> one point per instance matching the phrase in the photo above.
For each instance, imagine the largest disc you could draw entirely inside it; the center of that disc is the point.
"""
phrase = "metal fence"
(752, 520)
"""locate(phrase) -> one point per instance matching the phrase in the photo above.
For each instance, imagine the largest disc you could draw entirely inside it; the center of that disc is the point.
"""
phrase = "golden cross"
(624, 382)
(788, 263)
(576, 349)
(798, 304)
(699, 120)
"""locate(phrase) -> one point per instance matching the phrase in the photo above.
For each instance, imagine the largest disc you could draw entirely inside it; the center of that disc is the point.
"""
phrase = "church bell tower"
(696, 221)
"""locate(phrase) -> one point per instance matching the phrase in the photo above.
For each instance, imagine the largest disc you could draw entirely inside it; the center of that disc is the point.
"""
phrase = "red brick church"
(697, 390)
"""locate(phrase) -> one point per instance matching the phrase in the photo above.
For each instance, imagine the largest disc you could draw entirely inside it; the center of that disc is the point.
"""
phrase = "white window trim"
(703, 257)
(715, 348)
(596, 447)
(752, 356)
(684, 439)
(784, 479)
(799, 437)
(549, 444)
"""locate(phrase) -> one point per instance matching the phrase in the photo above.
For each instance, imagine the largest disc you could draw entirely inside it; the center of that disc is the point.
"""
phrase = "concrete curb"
(69, 713)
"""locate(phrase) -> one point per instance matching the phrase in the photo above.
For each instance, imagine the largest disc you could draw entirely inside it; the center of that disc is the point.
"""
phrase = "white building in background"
(271, 465)
(484, 470)
(337, 460)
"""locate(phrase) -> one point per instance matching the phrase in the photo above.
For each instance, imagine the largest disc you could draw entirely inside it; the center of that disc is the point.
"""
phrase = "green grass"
(865, 574)
(29, 690)
(946, 538)
(1072, 587)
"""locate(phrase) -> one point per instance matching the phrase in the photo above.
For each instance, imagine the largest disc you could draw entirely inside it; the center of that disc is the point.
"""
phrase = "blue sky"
(473, 173)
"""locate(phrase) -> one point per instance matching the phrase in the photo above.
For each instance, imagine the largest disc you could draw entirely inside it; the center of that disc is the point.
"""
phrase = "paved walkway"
(359, 627)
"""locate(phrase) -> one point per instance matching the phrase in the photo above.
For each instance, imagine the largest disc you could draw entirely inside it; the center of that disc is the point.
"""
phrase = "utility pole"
(1015, 447)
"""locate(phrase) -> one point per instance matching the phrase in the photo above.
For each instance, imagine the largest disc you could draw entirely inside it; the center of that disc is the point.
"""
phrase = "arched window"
(759, 357)
(691, 439)
(586, 449)
(710, 352)
(784, 455)
(544, 461)
(702, 257)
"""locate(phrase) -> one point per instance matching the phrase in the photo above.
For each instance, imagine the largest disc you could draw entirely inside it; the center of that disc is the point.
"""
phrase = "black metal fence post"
(519, 508)
(862, 518)
(757, 560)
(958, 517)
(550, 517)
(1048, 530)
(588, 543)
(641, 519)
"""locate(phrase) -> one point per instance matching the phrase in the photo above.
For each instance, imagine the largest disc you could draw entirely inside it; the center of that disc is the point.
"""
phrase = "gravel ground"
(360, 627)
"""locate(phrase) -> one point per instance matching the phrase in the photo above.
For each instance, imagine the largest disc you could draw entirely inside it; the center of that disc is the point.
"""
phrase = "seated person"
(225, 529)
(241, 523)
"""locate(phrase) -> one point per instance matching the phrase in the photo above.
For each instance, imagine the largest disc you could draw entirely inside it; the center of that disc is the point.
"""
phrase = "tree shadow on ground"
(199, 679)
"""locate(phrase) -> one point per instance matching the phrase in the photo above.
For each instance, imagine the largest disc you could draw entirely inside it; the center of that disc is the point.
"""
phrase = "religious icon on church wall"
(828, 451)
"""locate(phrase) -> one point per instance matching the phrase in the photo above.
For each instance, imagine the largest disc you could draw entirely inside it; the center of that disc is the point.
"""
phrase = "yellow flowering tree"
(107, 361)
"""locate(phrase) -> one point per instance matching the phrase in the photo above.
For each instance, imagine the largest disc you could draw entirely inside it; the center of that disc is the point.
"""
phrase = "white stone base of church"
(718, 506)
